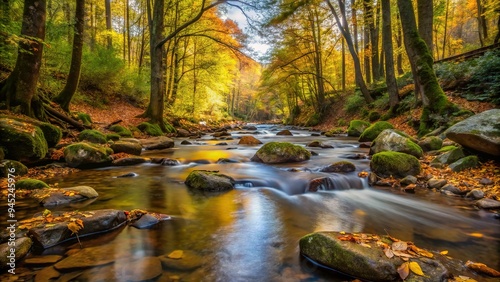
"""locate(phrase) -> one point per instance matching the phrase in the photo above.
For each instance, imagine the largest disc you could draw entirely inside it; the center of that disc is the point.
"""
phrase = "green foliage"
(405, 79)
(113, 136)
(93, 136)
(382, 102)
(342, 122)
(169, 128)
(373, 116)
(85, 118)
(101, 71)
(150, 129)
(314, 120)
(354, 103)
(121, 130)
(134, 87)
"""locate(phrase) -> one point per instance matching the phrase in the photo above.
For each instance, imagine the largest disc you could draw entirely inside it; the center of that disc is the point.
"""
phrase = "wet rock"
(313, 153)
(47, 274)
(430, 143)
(249, 127)
(51, 197)
(181, 132)
(93, 221)
(436, 183)
(22, 247)
(409, 179)
(157, 143)
(88, 257)
(486, 181)
(319, 144)
(130, 174)
(221, 144)
(465, 163)
(394, 164)
(390, 140)
(356, 127)
(18, 167)
(249, 140)
(281, 152)
(186, 142)
(87, 155)
(475, 194)
(479, 132)
(365, 145)
(374, 130)
(488, 204)
(449, 157)
(342, 166)
(361, 261)
(149, 220)
(226, 161)
(144, 269)
(353, 156)
(131, 148)
(170, 162)
(43, 260)
(129, 161)
(285, 132)
(221, 134)
(451, 189)
(372, 178)
(189, 261)
(315, 134)
(211, 181)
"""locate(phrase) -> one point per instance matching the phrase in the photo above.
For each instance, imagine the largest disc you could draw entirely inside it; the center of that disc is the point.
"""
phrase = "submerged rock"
(86, 155)
(211, 181)
(249, 140)
(157, 143)
(189, 260)
(21, 247)
(130, 161)
(342, 166)
(50, 197)
(281, 152)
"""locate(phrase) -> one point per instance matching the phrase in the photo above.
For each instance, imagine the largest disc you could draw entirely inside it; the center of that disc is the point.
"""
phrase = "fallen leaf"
(399, 246)
(415, 268)
(388, 253)
(365, 245)
(445, 252)
(476, 235)
(404, 270)
(402, 254)
(482, 268)
(177, 254)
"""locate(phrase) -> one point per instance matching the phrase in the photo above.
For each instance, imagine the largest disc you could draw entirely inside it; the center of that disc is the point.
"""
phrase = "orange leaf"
(399, 246)
(404, 270)
(482, 268)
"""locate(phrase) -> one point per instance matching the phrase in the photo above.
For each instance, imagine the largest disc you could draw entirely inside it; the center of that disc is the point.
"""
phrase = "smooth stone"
(129, 161)
(409, 179)
(130, 174)
(185, 142)
(436, 183)
(170, 162)
(22, 247)
(451, 189)
(146, 221)
(88, 257)
(475, 194)
(488, 204)
(249, 140)
(285, 132)
(47, 274)
(486, 181)
(40, 260)
(142, 269)
(157, 143)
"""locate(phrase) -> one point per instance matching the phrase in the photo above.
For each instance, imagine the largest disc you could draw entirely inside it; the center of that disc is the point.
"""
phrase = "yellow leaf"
(177, 254)
(476, 235)
(445, 252)
(404, 270)
(74, 227)
(415, 268)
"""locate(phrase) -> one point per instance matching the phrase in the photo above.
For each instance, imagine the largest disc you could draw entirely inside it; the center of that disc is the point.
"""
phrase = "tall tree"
(390, 77)
(425, 12)
(434, 100)
(482, 24)
(107, 4)
(20, 87)
(367, 14)
(65, 96)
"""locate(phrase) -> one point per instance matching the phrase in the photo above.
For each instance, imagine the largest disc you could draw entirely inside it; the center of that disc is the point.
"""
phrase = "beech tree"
(390, 78)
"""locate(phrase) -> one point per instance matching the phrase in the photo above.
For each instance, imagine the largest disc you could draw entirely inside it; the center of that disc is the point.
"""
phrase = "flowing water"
(251, 233)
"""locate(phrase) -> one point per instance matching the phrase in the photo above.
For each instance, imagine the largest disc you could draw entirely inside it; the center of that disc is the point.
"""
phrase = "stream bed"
(251, 233)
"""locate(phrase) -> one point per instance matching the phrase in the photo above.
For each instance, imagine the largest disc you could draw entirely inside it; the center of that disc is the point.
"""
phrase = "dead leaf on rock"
(177, 254)
(404, 270)
(445, 252)
(415, 268)
(482, 268)
(399, 246)
(388, 253)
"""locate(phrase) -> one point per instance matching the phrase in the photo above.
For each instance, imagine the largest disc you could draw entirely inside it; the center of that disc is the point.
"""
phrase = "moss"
(87, 154)
(93, 136)
(447, 148)
(22, 140)
(394, 164)
(19, 168)
(281, 152)
(113, 136)
(52, 134)
(169, 128)
(414, 149)
(373, 116)
(85, 118)
(356, 127)
(334, 131)
(31, 184)
(374, 130)
(121, 130)
(465, 163)
(209, 181)
(150, 129)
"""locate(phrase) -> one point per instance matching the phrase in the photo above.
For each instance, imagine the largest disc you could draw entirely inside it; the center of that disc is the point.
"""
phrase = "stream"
(251, 233)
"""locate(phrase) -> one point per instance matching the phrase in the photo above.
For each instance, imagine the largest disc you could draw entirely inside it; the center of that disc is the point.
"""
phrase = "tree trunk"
(343, 64)
(65, 96)
(497, 38)
(399, 42)
(445, 27)
(128, 33)
(482, 25)
(425, 10)
(318, 63)
(366, 35)
(107, 4)
(434, 100)
(20, 88)
(374, 34)
(390, 77)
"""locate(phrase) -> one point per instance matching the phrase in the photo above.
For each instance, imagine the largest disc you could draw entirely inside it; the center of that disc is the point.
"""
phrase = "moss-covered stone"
(84, 118)
(447, 148)
(52, 133)
(281, 152)
(12, 167)
(121, 130)
(333, 132)
(393, 140)
(449, 157)
(431, 143)
(22, 140)
(373, 116)
(85, 155)
(356, 127)
(93, 136)
(374, 130)
(31, 184)
(465, 163)
(113, 136)
(211, 181)
(394, 164)
(342, 166)
(150, 129)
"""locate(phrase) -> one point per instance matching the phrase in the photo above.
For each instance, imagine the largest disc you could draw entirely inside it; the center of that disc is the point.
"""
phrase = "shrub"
(373, 116)
(354, 103)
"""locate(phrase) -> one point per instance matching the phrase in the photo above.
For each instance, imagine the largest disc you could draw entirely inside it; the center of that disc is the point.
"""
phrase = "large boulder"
(157, 143)
(50, 234)
(391, 140)
(281, 152)
(132, 148)
(211, 181)
(356, 127)
(374, 130)
(394, 164)
(370, 257)
(51, 132)
(430, 143)
(249, 140)
(92, 136)
(50, 197)
(10, 254)
(85, 155)
(480, 132)
(449, 157)
(22, 141)
(12, 167)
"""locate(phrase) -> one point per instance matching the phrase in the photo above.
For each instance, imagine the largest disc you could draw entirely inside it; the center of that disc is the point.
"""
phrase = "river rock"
(319, 144)
(149, 219)
(43, 260)
(365, 260)
(486, 181)
(186, 142)
(390, 140)
(285, 132)
(88, 257)
(475, 194)
(47, 274)
(22, 141)
(92, 136)
(249, 140)
(451, 189)
(374, 130)
(488, 204)
(157, 143)
(449, 157)
(31, 184)
(409, 179)
(6, 167)
(131, 148)
(281, 152)
(430, 143)
(342, 166)
(221, 134)
(249, 127)
(356, 127)
(394, 164)
(479, 132)
(130, 161)
(181, 132)
(22, 247)
(210, 181)
(93, 221)
(50, 197)
(465, 163)
(436, 183)
(170, 162)
(144, 269)
(189, 261)
(87, 155)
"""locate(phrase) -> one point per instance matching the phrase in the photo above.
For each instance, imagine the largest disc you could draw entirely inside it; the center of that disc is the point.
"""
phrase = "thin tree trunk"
(497, 38)
(65, 96)
(390, 78)
(128, 33)
(107, 4)
(366, 36)
(482, 26)
(399, 42)
(343, 64)
(445, 26)
(425, 10)
(374, 34)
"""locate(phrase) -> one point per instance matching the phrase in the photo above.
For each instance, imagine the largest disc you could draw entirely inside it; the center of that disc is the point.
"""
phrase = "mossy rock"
(52, 133)
(281, 152)
(449, 157)
(87, 155)
(374, 130)
(169, 128)
(431, 143)
(85, 118)
(93, 136)
(31, 184)
(150, 129)
(395, 141)
(356, 127)
(342, 166)
(113, 136)
(447, 148)
(6, 167)
(210, 181)
(373, 116)
(22, 141)
(465, 163)
(333, 132)
(121, 130)
(2, 154)
(396, 164)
